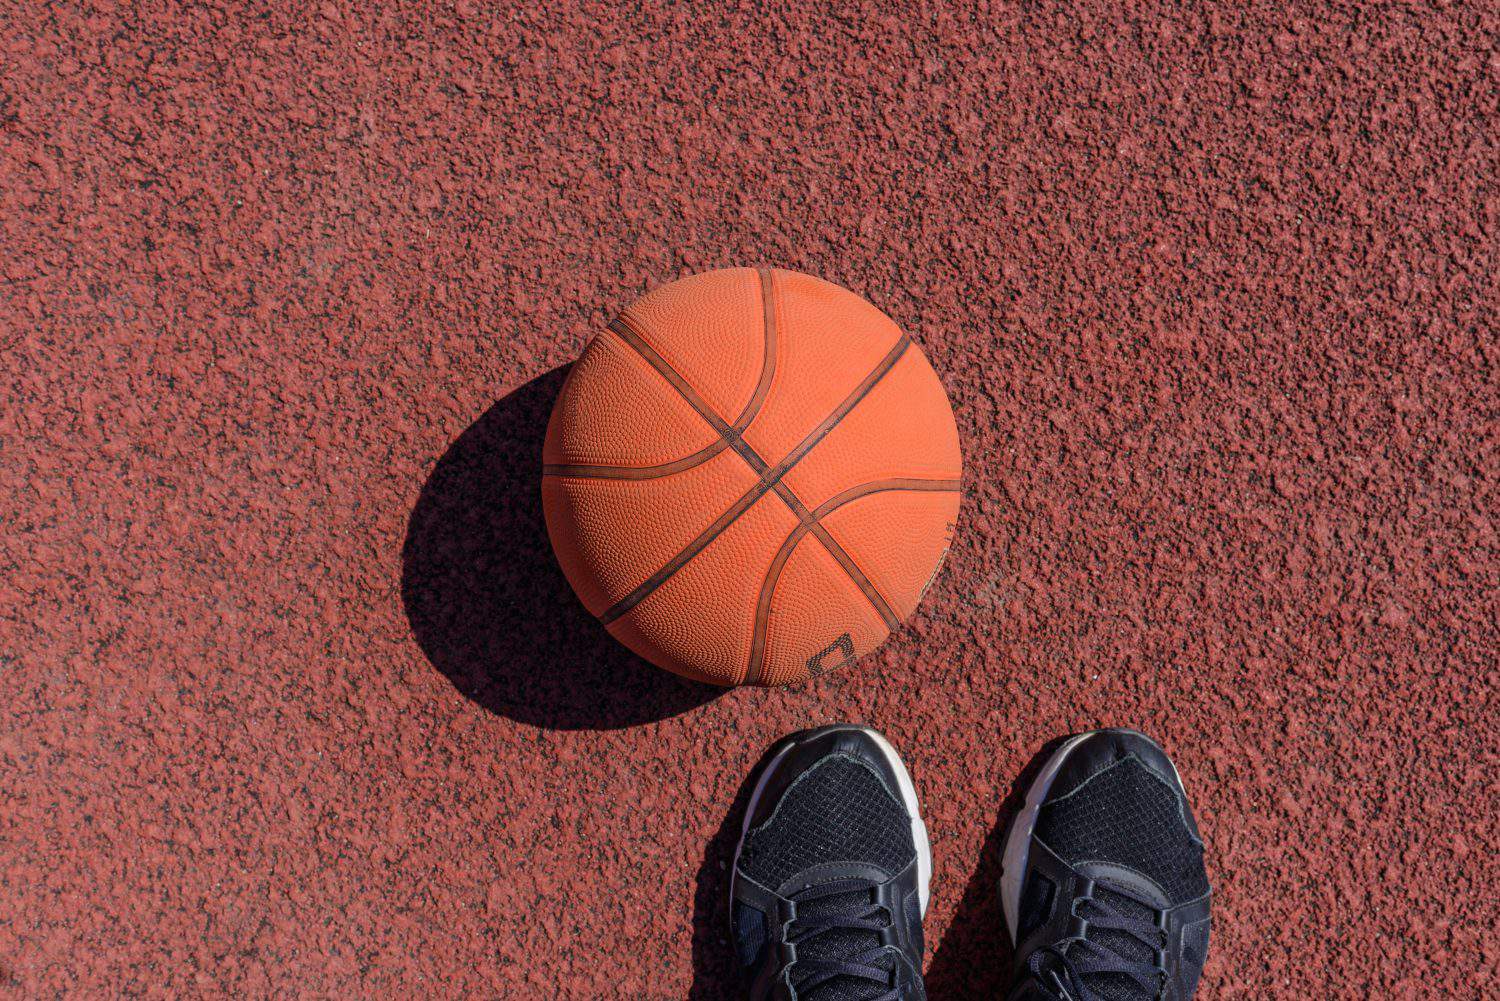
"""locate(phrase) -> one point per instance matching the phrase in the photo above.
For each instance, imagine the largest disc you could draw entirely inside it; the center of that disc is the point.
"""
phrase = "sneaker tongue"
(840, 944)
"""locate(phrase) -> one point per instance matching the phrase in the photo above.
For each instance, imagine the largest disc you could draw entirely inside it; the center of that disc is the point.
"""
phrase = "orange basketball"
(751, 476)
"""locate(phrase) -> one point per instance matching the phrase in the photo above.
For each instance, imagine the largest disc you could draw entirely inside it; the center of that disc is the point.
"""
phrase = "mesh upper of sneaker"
(836, 811)
(1128, 815)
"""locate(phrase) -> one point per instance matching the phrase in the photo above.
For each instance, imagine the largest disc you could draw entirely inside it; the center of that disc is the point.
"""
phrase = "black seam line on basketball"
(853, 571)
(587, 472)
(768, 357)
(624, 327)
(767, 481)
(728, 435)
(767, 374)
(839, 553)
(756, 667)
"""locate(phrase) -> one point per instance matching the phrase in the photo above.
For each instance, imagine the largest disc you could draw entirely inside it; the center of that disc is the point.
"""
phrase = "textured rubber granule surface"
(293, 698)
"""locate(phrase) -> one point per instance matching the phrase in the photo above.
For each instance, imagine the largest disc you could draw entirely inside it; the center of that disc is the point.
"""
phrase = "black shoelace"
(1065, 970)
(837, 934)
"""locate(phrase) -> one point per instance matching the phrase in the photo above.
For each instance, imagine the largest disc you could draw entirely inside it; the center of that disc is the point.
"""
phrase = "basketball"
(751, 476)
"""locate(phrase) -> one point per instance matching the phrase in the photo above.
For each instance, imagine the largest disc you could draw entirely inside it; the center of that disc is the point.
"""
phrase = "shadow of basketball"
(487, 602)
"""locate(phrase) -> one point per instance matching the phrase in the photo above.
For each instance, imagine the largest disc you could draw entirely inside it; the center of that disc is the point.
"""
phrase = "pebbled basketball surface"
(751, 477)
(294, 701)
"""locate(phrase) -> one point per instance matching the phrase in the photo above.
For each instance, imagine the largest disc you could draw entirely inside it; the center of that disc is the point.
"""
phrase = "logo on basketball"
(818, 662)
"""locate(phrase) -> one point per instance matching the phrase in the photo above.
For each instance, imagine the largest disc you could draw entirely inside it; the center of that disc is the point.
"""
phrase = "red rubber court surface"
(294, 701)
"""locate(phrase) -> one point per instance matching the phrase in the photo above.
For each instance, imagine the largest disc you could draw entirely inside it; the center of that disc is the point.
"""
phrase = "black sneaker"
(1104, 888)
(831, 873)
